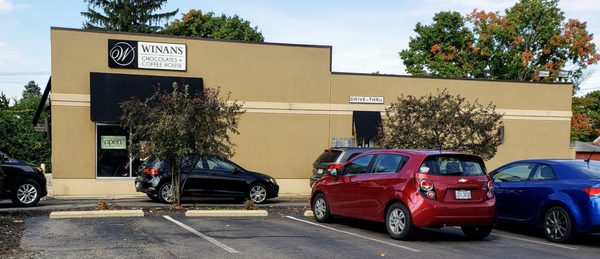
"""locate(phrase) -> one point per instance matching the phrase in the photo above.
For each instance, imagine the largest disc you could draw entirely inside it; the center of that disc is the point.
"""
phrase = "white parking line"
(355, 235)
(209, 239)
(532, 241)
(537, 242)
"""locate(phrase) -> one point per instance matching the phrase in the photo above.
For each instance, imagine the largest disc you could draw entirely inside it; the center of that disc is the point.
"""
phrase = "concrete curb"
(308, 213)
(226, 213)
(101, 197)
(96, 214)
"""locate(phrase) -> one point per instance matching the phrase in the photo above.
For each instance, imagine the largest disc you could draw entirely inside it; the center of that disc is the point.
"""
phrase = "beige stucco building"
(295, 105)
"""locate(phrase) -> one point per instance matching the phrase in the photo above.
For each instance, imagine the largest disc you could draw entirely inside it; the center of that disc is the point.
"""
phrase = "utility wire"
(42, 73)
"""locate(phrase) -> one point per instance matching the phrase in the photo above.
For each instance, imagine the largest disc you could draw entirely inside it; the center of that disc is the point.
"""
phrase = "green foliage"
(32, 90)
(440, 49)
(18, 137)
(442, 121)
(529, 37)
(585, 123)
(173, 125)
(208, 25)
(126, 15)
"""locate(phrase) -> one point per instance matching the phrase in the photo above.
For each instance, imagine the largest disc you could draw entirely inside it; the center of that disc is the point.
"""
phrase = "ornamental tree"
(179, 123)
(443, 48)
(208, 25)
(529, 37)
(585, 123)
(442, 121)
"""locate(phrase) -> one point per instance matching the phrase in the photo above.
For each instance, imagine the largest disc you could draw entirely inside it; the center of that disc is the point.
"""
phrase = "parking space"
(288, 236)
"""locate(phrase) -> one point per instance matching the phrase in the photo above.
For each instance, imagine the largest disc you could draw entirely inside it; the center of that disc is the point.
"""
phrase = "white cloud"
(12, 60)
(579, 5)
(6, 6)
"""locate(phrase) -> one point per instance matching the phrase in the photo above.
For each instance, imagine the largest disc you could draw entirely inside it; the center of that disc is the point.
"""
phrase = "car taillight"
(427, 187)
(592, 191)
(490, 191)
(151, 171)
(333, 166)
(490, 185)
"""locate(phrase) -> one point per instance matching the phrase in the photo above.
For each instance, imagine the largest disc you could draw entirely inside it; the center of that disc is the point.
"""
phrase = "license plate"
(462, 194)
(320, 171)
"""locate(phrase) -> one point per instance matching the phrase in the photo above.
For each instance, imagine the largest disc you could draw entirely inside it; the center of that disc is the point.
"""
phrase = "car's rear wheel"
(321, 208)
(153, 197)
(27, 193)
(558, 225)
(165, 192)
(398, 222)
(477, 232)
(258, 193)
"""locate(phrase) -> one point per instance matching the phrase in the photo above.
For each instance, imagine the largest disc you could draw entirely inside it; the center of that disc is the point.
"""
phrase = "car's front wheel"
(558, 225)
(258, 193)
(477, 233)
(165, 192)
(398, 222)
(27, 193)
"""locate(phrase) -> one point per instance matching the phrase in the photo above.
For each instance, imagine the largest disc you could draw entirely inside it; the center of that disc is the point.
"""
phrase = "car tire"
(153, 197)
(320, 208)
(27, 194)
(558, 225)
(165, 192)
(476, 232)
(398, 222)
(258, 193)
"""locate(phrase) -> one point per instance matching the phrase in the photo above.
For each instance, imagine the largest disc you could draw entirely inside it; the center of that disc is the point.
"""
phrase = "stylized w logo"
(122, 53)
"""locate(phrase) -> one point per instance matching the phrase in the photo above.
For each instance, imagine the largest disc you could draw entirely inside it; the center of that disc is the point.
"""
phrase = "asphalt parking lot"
(170, 235)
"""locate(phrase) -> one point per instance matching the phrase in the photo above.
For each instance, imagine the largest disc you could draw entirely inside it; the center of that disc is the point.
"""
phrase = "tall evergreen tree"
(126, 15)
(31, 90)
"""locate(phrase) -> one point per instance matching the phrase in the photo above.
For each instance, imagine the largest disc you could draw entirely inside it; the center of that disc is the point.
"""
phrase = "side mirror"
(333, 172)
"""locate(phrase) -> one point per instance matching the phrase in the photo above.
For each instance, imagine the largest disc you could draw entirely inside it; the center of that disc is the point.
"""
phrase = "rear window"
(329, 156)
(591, 169)
(457, 165)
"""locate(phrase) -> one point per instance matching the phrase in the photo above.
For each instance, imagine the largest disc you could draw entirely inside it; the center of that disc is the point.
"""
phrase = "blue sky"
(366, 35)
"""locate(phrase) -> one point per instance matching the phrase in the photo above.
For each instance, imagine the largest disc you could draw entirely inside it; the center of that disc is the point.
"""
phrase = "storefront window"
(112, 156)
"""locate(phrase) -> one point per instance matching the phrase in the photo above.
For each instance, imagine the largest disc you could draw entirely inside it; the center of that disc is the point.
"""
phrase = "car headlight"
(272, 180)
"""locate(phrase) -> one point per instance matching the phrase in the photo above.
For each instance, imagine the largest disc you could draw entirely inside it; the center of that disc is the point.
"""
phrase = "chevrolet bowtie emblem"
(462, 180)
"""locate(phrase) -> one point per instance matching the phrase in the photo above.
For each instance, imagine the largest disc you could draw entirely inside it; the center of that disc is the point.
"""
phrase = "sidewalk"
(85, 203)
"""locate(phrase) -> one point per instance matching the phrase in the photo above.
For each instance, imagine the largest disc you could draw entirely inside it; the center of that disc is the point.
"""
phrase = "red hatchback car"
(410, 189)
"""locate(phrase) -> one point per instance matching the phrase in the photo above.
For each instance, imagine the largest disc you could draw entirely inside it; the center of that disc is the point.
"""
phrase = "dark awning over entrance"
(107, 91)
(42, 104)
(366, 123)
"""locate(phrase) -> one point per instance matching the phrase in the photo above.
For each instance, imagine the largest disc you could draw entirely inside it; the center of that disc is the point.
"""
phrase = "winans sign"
(147, 55)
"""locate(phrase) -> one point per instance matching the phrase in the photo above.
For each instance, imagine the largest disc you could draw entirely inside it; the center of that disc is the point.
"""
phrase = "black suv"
(333, 158)
(23, 183)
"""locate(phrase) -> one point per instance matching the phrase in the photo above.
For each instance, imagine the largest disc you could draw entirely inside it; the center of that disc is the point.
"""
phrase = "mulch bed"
(12, 226)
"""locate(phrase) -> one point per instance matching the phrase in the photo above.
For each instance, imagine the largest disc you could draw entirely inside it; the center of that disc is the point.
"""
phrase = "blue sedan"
(562, 197)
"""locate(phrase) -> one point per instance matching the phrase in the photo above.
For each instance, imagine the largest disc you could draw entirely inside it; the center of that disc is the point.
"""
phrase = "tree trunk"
(176, 188)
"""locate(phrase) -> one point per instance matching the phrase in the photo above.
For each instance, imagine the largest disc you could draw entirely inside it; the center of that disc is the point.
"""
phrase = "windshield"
(463, 165)
(590, 169)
